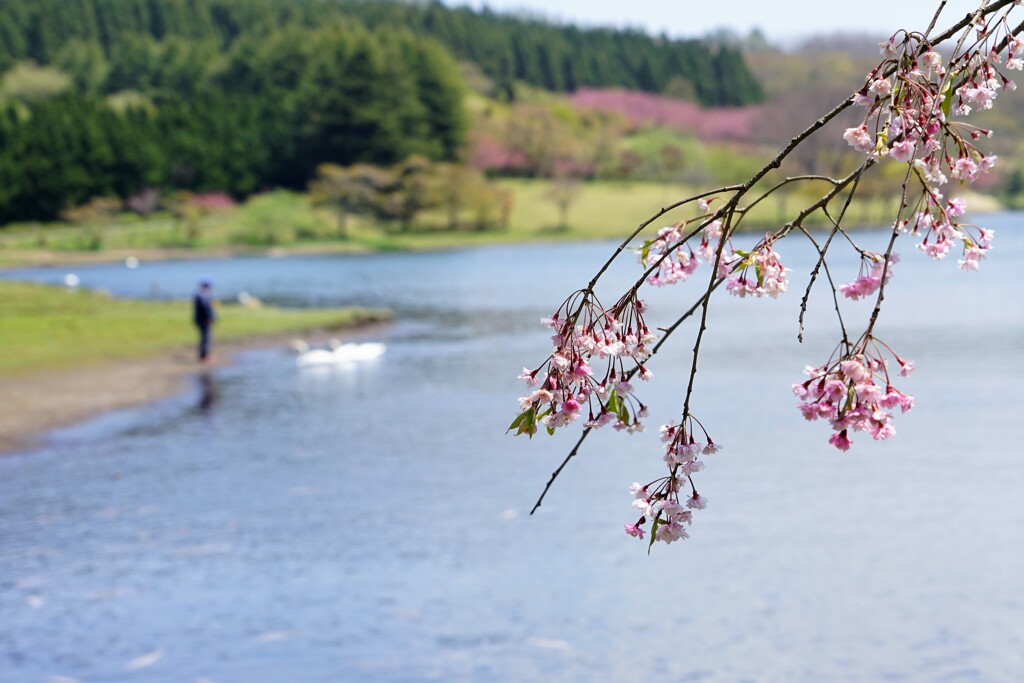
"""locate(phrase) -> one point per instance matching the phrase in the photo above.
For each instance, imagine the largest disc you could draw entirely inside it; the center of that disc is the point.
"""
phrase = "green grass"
(611, 210)
(601, 210)
(44, 328)
(266, 220)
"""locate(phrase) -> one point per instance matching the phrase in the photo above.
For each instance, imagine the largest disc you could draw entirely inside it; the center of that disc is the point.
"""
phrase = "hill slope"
(507, 48)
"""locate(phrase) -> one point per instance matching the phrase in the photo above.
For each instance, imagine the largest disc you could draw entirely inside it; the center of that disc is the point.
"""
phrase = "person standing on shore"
(203, 316)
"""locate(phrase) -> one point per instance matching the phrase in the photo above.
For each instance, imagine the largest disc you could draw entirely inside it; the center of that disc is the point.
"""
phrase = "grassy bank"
(292, 222)
(46, 328)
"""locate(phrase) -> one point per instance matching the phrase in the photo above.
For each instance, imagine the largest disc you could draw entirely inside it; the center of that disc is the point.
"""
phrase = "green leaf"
(611, 404)
(947, 90)
(537, 418)
(519, 419)
(645, 251)
(880, 142)
(850, 393)
(525, 423)
(654, 529)
(551, 431)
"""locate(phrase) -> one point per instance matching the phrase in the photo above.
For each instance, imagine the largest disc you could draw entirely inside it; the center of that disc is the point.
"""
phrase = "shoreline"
(15, 259)
(53, 399)
(57, 259)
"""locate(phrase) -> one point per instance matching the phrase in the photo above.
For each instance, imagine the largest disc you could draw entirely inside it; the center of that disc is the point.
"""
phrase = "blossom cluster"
(854, 394)
(673, 264)
(874, 270)
(769, 276)
(668, 503)
(935, 223)
(912, 98)
(596, 352)
(755, 273)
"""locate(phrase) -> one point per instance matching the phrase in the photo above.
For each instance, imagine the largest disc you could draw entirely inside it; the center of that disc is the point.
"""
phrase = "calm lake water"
(370, 524)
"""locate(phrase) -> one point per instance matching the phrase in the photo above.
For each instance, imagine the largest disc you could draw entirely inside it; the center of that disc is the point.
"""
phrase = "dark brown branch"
(935, 18)
(836, 227)
(822, 250)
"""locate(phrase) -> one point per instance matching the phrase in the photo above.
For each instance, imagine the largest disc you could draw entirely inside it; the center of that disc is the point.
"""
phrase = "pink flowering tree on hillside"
(916, 106)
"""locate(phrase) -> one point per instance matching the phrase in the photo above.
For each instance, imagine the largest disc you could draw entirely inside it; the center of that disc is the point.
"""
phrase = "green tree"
(86, 63)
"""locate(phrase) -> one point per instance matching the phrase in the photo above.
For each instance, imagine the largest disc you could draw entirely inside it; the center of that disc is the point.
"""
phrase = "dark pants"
(204, 341)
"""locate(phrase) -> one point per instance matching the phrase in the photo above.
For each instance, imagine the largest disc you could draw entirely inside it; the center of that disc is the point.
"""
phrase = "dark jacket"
(202, 310)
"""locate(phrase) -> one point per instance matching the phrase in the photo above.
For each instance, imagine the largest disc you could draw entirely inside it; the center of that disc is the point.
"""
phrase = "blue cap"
(206, 282)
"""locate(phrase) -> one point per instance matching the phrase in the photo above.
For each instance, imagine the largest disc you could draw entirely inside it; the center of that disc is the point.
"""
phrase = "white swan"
(356, 352)
(338, 355)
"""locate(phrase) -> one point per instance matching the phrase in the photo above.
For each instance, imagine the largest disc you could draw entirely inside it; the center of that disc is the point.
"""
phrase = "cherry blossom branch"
(744, 210)
(888, 254)
(935, 17)
(598, 352)
(654, 350)
(836, 228)
(741, 189)
(702, 302)
(705, 301)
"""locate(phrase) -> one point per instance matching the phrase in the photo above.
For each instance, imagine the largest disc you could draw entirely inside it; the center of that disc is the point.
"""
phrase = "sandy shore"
(39, 402)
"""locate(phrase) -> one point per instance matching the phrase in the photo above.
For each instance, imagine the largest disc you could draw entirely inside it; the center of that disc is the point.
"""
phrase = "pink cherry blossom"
(881, 87)
(902, 151)
(986, 162)
(957, 207)
(854, 370)
(965, 169)
(972, 258)
(980, 96)
(859, 139)
(769, 277)
(848, 393)
(932, 60)
(671, 531)
(841, 441)
(882, 428)
(868, 283)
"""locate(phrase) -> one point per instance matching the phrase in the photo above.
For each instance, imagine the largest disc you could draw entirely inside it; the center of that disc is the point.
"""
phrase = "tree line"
(175, 113)
(507, 48)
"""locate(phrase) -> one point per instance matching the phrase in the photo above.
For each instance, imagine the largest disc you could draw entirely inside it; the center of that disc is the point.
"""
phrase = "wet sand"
(36, 403)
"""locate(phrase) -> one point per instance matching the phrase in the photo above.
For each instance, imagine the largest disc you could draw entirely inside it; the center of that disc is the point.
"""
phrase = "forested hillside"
(105, 98)
(185, 114)
(506, 48)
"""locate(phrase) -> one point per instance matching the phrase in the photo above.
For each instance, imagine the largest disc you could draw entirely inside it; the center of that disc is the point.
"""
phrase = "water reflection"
(207, 391)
